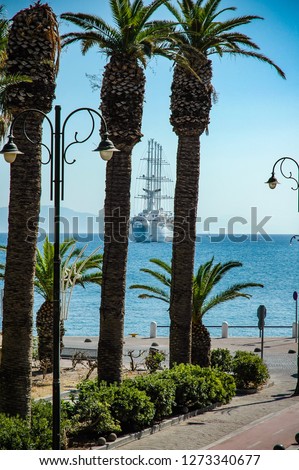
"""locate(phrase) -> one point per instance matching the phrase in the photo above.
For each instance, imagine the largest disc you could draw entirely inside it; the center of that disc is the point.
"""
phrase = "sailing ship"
(153, 224)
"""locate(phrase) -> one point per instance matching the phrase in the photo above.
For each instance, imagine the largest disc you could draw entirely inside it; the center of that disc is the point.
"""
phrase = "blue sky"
(254, 122)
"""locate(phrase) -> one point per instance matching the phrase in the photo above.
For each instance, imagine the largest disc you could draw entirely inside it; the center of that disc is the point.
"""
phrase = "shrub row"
(142, 401)
(248, 369)
(99, 410)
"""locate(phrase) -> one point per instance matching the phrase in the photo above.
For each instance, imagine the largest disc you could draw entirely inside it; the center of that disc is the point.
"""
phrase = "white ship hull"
(145, 230)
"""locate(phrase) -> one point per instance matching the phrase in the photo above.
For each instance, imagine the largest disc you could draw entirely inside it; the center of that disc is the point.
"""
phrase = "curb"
(154, 429)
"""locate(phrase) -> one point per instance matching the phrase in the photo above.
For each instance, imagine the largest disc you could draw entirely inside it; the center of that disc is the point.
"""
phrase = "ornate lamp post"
(272, 182)
(57, 151)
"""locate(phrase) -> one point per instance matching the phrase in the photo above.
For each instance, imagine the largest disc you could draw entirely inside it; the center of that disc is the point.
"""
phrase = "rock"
(112, 437)
(101, 441)
(278, 447)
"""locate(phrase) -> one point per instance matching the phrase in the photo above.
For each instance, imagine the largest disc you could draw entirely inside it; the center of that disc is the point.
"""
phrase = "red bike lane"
(264, 434)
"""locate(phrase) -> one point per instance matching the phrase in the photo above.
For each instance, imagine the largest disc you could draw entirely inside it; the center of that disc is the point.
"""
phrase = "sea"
(272, 261)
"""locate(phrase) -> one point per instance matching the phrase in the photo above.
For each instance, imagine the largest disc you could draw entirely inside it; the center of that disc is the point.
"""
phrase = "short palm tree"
(206, 279)
(128, 43)
(202, 35)
(76, 269)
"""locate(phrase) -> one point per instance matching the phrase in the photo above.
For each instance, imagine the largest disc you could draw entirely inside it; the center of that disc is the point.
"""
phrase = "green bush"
(249, 370)
(14, 433)
(17, 434)
(161, 392)
(41, 425)
(154, 360)
(220, 386)
(190, 390)
(132, 408)
(102, 409)
(197, 387)
(222, 359)
(90, 411)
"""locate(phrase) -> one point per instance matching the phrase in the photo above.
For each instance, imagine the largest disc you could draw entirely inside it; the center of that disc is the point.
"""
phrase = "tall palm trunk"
(185, 205)
(190, 107)
(122, 104)
(15, 392)
(32, 47)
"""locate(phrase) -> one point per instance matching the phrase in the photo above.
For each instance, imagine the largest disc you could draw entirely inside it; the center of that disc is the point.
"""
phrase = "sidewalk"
(257, 421)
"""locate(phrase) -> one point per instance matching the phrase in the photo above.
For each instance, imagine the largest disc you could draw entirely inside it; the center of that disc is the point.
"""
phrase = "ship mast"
(153, 179)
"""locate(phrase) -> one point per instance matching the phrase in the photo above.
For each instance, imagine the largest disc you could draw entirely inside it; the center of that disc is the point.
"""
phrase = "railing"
(225, 328)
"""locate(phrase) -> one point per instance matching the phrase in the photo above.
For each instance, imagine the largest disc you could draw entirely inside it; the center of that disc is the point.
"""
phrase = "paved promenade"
(256, 421)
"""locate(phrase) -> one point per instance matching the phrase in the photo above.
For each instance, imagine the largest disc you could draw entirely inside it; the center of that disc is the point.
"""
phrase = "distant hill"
(72, 222)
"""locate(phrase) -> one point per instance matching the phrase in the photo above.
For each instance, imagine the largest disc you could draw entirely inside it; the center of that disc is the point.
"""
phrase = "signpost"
(261, 314)
(295, 297)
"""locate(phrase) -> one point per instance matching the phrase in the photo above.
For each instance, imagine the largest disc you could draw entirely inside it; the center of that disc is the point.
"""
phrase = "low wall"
(225, 328)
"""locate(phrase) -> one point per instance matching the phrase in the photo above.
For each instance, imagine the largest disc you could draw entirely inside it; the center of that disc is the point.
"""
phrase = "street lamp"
(272, 182)
(57, 158)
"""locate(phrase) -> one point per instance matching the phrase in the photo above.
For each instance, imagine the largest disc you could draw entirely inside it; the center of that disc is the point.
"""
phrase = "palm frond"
(77, 268)
(132, 34)
(164, 279)
(231, 293)
(155, 292)
(202, 30)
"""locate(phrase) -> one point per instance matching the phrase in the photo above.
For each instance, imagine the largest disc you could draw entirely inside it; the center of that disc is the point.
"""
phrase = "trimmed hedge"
(142, 401)
(249, 370)
(97, 410)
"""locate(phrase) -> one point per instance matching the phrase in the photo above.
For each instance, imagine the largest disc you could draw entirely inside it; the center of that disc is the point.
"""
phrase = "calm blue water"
(273, 263)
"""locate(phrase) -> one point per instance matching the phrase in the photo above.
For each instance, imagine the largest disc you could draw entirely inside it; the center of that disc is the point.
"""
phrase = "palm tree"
(206, 279)
(202, 34)
(33, 46)
(128, 43)
(76, 269)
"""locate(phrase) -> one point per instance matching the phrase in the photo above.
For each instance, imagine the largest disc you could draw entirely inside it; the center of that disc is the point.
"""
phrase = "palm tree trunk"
(15, 378)
(32, 47)
(122, 104)
(112, 311)
(190, 108)
(185, 209)
(44, 326)
(201, 345)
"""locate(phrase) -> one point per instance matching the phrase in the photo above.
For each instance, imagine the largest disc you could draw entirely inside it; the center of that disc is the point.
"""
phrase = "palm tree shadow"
(277, 397)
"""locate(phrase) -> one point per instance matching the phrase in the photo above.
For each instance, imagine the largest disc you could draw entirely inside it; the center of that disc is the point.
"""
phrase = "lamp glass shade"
(106, 154)
(106, 149)
(10, 150)
(10, 157)
(272, 182)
